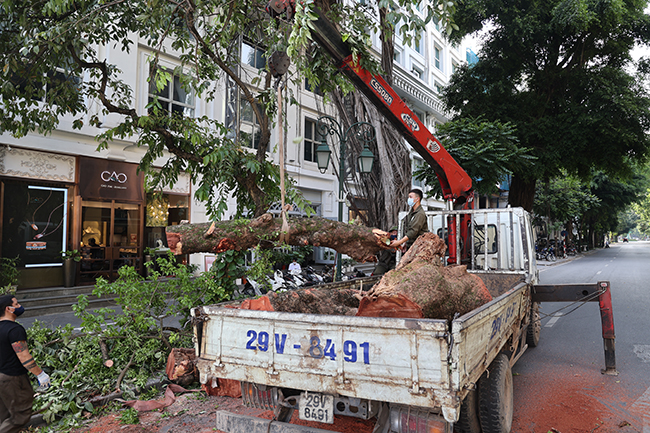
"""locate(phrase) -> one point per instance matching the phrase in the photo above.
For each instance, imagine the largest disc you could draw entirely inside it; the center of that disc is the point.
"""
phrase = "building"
(58, 192)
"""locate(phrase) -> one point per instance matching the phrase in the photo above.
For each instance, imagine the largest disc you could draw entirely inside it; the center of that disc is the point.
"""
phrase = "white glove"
(44, 380)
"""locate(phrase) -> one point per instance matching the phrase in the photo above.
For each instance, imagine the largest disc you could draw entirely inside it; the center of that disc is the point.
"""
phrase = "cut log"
(359, 242)
(420, 278)
(181, 368)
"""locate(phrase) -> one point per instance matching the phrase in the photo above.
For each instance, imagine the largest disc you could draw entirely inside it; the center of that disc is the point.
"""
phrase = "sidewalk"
(61, 319)
(545, 263)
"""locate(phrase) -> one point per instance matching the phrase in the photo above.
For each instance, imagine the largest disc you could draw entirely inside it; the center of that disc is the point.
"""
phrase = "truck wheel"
(469, 421)
(534, 327)
(495, 397)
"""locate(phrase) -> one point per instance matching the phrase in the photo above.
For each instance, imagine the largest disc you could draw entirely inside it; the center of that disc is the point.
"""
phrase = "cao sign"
(105, 179)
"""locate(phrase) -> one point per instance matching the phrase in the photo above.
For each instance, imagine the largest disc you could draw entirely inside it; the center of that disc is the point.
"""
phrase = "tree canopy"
(56, 63)
(595, 207)
(487, 151)
(560, 71)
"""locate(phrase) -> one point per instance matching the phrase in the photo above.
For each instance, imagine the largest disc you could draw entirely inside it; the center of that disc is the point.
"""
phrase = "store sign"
(105, 179)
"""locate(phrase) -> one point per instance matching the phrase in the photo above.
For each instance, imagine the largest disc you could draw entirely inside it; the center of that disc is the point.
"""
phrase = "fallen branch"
(123, 373)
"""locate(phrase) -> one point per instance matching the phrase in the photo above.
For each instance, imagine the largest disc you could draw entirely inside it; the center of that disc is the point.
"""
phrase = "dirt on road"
(196, 413)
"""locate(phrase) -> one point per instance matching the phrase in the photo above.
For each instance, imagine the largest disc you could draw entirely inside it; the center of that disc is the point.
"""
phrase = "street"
(558, 385)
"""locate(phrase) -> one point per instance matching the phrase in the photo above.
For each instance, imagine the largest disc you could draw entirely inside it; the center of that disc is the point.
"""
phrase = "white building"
(57, 192)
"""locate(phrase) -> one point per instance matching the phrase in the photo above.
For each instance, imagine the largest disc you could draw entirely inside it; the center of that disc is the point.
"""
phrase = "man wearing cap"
(16, 392)
(386, 259)
(416, 220)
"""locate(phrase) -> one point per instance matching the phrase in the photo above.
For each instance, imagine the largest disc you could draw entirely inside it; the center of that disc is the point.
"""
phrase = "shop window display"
(35, 223)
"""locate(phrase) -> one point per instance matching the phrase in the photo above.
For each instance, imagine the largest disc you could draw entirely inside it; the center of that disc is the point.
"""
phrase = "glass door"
(110, 239)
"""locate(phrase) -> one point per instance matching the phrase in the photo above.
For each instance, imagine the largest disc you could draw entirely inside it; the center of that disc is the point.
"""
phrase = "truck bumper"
(234, 423)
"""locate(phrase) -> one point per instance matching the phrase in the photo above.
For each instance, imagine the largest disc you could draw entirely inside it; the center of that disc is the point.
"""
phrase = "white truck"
(412, 375)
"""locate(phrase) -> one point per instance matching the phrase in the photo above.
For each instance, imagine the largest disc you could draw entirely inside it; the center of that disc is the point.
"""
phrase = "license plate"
(317, 407)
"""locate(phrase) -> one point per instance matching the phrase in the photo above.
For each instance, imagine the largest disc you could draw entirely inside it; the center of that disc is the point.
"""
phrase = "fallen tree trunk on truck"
(359, 242)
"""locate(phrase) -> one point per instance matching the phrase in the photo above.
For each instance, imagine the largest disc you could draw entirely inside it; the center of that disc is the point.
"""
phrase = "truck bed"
(415, 362)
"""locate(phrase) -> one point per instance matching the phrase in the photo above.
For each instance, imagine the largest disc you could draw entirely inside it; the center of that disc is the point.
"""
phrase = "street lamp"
(323, 154)
(365, 133)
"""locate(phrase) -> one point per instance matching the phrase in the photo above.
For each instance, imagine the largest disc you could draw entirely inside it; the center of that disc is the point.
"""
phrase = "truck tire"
(469, 421)
(534, 327)
(495, 396)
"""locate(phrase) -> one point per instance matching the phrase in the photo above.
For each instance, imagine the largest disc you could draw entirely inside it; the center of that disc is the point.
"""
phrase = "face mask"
(410, 202)
(393, 237)
(18, 311)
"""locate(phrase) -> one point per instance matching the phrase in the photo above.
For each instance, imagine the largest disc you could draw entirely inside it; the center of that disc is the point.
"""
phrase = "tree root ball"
(420, 278)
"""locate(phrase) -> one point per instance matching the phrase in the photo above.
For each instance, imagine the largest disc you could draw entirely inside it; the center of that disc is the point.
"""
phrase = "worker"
(386, 259)
(416, 220)
(294, 267)
(16, 392)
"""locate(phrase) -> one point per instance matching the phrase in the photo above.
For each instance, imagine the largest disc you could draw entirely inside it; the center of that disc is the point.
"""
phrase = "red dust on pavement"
(573, 399)
(197, 414)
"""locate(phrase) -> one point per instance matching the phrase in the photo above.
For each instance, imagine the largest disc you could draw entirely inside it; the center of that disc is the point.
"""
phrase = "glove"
(44, 380)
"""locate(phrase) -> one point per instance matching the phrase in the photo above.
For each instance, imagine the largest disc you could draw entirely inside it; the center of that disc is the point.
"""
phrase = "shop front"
(36, 192)
(51, 203)
(110, 229)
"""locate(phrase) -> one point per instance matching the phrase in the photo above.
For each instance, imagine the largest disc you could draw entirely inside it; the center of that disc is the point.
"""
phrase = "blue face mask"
(18, 311)
(410, 202)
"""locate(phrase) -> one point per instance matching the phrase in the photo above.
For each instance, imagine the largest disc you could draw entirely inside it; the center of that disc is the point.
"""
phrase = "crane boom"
(455, 182)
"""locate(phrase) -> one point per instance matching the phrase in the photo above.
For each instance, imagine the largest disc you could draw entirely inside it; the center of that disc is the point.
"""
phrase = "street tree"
(561, 72)
(54, 65)
(615, 195)
(487, 151)
(564, 200)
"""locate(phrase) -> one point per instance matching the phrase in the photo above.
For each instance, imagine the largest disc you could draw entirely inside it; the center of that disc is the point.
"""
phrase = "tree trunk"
(386, 188)
(359, 242)
(522, 192)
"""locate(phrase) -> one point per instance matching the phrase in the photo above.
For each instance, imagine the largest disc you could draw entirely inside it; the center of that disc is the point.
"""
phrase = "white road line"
(642, 351)
(554, 319)
(598, 272)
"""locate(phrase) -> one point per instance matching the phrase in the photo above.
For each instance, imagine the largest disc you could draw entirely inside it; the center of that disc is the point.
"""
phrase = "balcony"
(417, 94)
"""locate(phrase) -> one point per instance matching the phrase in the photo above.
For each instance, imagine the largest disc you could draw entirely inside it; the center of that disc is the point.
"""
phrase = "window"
(174, 98)
(249, 125)
(58, 86)
(312, 140)
(438, 87)
(314, 89)
(417, 72)
(417, 164)
(436, 23)
(454, 67)
(253, 55)
(437, 57)
(479, 239)
(418, 44)
(397, 57)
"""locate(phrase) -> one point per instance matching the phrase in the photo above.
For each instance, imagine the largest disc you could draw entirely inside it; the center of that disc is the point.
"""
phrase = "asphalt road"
(558, 385)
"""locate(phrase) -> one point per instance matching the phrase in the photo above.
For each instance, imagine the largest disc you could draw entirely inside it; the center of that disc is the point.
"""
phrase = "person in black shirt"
(16, 392)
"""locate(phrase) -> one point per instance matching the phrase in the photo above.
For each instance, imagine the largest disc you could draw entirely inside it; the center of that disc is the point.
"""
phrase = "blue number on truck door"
(318, 350)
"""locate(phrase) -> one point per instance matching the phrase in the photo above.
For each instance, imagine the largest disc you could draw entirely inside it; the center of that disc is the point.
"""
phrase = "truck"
(409, 375)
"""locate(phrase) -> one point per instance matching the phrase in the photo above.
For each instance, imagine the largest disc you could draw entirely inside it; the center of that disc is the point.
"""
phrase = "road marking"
(642, 407)
(642, 351)
(554, 319)
(598, 272)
